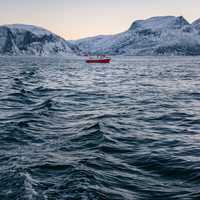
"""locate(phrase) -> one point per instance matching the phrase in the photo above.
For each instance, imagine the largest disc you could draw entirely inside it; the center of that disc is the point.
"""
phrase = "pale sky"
(73, 19)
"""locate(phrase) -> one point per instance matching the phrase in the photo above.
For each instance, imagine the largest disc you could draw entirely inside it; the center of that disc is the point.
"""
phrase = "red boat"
(99, 59)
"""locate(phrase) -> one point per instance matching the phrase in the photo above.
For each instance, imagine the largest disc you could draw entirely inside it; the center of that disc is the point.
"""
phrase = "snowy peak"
(19, 39)
(161, 22)
(28, 28)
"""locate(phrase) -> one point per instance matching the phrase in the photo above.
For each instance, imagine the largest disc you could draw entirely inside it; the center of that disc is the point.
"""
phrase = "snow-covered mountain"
(164, 35)
(19, 39)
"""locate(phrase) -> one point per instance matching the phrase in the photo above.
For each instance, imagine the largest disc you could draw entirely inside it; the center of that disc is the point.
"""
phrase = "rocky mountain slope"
(21, 39)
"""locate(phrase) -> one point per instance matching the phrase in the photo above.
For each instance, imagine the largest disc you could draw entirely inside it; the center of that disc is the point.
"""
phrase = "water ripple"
(128, 130)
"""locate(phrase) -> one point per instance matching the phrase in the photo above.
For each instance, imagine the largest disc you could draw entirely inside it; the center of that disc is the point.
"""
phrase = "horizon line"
(90, 36)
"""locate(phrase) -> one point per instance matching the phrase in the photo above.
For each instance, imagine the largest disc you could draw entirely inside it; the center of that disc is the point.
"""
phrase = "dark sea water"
(129, 130)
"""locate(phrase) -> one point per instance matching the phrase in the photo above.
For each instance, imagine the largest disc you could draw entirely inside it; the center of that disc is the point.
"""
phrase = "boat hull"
(99, 61)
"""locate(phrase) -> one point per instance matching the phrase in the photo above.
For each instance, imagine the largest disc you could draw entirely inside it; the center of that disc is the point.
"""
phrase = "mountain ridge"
(161, 35)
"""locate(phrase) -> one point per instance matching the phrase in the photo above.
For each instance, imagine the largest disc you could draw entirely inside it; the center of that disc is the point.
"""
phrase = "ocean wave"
(124, 131)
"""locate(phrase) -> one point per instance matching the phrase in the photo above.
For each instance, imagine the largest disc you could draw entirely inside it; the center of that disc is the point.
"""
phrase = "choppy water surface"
(125, 131)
